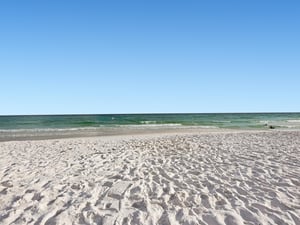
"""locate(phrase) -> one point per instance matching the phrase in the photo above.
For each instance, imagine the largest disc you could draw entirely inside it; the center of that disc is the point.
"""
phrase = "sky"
(94, 57)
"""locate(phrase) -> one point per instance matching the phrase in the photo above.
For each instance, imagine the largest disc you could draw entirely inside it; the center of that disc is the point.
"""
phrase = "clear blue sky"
(150, 56)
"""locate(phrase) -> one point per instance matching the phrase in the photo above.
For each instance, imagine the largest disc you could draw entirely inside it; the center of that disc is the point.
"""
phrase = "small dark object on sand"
(271, 127)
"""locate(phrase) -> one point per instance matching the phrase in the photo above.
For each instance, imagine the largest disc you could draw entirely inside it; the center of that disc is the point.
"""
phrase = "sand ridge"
(216, 178)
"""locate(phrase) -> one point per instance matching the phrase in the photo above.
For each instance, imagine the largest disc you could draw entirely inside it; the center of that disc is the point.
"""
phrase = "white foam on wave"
(149, 122)
(152, 125)
(221, 121)
(32, 130)
(264, 121)
(293, 121)
(207, 127)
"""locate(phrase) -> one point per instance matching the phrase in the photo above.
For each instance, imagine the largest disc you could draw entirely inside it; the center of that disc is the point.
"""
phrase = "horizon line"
(146, 113)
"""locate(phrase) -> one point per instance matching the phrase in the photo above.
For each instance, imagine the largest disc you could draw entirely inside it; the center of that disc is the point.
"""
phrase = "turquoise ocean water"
(12, 125)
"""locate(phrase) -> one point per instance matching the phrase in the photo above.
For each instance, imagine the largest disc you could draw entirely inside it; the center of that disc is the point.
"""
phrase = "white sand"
(216, 178)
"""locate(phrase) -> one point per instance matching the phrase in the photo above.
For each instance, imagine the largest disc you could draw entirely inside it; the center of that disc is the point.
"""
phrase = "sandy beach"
(172, 178)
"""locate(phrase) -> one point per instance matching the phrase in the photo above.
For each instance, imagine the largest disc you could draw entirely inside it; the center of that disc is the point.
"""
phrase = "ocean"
(15, 126)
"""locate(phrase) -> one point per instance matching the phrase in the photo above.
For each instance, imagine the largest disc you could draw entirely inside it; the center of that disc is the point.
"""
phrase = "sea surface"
(16, 126)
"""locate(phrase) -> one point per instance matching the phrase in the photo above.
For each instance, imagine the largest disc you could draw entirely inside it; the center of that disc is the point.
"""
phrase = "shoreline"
(49, 134)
